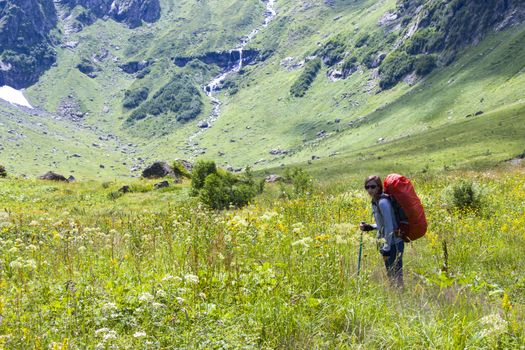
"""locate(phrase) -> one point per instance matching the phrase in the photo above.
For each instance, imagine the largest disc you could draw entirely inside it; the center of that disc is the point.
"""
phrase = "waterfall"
(217, 81)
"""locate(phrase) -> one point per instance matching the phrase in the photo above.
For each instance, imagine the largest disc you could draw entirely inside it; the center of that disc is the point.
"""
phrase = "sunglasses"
(373, 187)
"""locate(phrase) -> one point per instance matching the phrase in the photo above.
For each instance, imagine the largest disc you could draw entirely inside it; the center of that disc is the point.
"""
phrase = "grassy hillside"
(82, 267)
(335, 123)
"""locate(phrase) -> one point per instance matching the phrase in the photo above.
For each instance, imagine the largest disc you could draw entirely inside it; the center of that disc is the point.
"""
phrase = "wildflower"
(193, 279)
(180, 300)
(161, 293)
(101, 330)
(81, 249)
(493, 325)
(16, 264)
(30, 264)
(140, 334)
(110, 335)
(303, 242)
(145, 297)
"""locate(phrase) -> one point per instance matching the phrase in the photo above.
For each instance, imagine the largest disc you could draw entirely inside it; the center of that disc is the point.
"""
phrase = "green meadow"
(83, 265)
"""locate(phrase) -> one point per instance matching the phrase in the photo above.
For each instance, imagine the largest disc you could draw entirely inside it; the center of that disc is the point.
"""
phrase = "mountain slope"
(390, 71)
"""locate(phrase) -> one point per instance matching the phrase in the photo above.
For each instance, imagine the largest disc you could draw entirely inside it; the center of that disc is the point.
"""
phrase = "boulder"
(124, 189)
(53, 177)
(161, 184)
(157, 170)
(273, 178)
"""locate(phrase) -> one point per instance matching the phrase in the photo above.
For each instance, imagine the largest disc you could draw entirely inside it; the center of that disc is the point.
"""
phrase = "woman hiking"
(390, 245)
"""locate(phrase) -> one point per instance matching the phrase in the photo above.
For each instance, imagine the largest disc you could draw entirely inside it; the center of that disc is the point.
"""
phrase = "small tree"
(201, 169)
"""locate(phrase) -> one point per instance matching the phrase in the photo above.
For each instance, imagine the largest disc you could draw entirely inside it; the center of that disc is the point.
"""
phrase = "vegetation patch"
(179, 96)
(394, 67)
(302, 84)
(133, 98)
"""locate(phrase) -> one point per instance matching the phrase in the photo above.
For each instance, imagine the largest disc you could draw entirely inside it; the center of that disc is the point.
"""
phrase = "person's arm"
(388, 221)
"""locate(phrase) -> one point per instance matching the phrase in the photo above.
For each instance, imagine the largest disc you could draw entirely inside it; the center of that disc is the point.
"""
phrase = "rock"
(76, 155)
(321, 133)
(52, 177)
(314, 157)
(101, 166)
(161, 184)
(203, 124)
(272, 178)
(134, 66)
(69, 44)
(124, 189)
(478, 113)
(157, 170)
(278, 151)
(71, 178)
(186, 164)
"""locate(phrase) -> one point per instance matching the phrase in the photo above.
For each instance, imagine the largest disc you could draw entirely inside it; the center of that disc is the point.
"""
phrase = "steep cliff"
(25, 41)
(131, 12)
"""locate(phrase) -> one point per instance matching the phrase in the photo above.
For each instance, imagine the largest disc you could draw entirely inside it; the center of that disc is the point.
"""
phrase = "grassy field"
(83, 266)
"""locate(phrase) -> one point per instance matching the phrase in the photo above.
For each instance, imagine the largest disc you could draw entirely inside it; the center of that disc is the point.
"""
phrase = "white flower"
(145, 297)
(140, 334)
(193, 279)
(493, 324)
(180, 300)
(160, 293)
(304, 242)
(101, 330)
(167, 277)
(110, 335)
(16, 264)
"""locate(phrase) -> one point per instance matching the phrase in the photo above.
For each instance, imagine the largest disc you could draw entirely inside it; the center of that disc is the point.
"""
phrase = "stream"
(217, 81)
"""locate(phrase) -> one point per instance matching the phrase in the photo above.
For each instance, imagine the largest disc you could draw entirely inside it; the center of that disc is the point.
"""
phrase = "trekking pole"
(360, 254)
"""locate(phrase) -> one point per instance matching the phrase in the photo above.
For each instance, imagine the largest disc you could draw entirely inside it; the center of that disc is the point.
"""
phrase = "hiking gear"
(360, 254)
(403, 196)
(367, 227)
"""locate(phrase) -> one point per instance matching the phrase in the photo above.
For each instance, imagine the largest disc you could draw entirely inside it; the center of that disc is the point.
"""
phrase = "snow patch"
(13, 96)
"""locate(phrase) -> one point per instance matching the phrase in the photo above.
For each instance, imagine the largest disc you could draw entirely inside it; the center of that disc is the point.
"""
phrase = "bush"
(3, 172)
(221, 189)
(466, 195)
(301, 182)
(179, 170)
(133, 98)
(362, 40)
(333, 51)
(394, 67)
(425, 64)
(302, 84)
(199, 173)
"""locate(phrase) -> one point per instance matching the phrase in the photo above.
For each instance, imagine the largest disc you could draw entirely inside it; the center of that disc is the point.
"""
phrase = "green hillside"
(351, 108)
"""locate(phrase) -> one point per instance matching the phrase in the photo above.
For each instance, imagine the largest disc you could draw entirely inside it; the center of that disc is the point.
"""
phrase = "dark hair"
(376, 179)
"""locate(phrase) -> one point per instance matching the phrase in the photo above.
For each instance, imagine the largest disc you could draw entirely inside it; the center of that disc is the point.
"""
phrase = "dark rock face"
(223, 59)
(161, 184)
(134, 66)
(131, 12)
(25, 41)
(52, 176)
(156, 170)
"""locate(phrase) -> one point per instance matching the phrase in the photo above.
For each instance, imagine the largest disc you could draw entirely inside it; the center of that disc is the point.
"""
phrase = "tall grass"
(158, 270)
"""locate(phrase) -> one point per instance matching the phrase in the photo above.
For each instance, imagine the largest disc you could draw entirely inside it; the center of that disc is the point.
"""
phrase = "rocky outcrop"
(131, 12)
(25, 41)
(157, 170)
(224, 59)
(134, 66)
(53, 177)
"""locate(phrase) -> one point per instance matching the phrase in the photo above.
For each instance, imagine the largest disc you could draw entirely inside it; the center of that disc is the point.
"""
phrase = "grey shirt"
(386, 224)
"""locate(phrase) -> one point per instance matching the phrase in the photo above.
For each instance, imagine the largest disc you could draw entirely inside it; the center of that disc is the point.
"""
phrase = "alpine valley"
(331, 85)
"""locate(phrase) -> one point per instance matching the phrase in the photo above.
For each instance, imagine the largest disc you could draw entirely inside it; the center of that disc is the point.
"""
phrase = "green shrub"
(3, 172)
(394, 67)
(141, 74)
(362, 40)
(115, 195)
(222, 189)
(466, 195)
(302, 84)
(333, 51)
(301, 182)
(133, 98)
(200, 171)
(179, 170)
(424, 64)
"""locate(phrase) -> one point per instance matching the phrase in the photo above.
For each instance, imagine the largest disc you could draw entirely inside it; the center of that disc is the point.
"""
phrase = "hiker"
(391, 246)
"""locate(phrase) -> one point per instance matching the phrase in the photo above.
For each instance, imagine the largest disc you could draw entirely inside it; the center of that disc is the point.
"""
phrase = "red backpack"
(400, 189)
